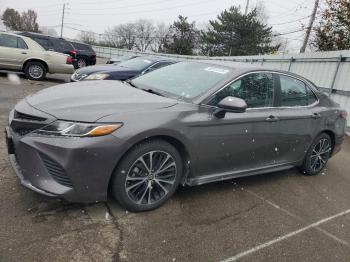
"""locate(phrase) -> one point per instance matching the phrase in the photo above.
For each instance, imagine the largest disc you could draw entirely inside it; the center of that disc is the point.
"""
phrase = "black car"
(85, 54)
(122, 71)
(116, 60)
(56, 44)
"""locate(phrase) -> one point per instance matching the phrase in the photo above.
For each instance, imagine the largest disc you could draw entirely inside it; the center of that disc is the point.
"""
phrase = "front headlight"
(97, 76)
(64, 128)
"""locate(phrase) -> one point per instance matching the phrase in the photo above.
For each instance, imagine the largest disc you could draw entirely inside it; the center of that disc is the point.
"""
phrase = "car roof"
(156, 58)
(237, 70)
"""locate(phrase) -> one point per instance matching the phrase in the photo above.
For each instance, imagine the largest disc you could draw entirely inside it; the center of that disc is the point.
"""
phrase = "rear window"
(63, 46)
(80, 46)
(45, 43)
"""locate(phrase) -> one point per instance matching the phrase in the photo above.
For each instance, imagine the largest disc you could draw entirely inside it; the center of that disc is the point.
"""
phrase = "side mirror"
(230, 104)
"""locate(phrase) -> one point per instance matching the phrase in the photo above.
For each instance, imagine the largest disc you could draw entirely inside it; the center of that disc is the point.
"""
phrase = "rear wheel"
(318, 155)
(35, 71)
(147, 176)
(82, 62)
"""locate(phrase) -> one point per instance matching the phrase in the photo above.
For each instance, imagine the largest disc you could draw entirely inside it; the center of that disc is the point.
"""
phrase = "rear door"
(298, 119)
(13, 52)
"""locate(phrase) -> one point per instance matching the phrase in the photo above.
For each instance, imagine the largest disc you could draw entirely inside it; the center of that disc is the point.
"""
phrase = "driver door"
(241, 141)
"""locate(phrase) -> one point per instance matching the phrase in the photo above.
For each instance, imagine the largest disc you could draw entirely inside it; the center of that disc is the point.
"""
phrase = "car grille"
(56, 171)
(23, 124)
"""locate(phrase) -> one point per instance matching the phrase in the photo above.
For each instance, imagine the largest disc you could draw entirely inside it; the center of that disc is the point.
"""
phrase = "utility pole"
(308, 30)
(62, 22)
(246, 8)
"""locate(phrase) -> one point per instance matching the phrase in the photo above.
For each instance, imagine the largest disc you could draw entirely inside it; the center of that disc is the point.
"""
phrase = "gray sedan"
(189, 123)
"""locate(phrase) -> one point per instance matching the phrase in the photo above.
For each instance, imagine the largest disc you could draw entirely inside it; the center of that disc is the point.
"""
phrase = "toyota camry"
(189, 123)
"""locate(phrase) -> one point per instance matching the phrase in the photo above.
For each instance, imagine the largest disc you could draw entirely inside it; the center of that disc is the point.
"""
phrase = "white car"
(21, 53)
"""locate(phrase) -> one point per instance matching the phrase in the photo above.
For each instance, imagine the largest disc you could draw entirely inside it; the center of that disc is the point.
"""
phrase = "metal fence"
(328, 70)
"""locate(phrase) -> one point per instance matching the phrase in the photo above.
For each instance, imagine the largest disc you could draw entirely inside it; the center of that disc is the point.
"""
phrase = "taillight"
(73, 52)
(69, 60)
(344, 114)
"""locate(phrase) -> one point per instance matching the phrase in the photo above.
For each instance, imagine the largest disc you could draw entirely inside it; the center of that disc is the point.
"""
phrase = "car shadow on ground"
(184, 194)
(54, 78)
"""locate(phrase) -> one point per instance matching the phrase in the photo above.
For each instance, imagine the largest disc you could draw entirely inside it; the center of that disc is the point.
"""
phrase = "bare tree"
(161, 34)
(144, 34)
(261, 12)
(87, 37)
(28, 21)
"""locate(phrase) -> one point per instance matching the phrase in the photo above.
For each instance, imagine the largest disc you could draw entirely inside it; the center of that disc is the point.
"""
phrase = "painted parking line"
(343, 242)
(281, 238)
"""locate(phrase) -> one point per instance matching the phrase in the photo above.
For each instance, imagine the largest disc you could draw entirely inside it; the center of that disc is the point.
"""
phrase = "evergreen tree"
(235, 34)
(182, 37)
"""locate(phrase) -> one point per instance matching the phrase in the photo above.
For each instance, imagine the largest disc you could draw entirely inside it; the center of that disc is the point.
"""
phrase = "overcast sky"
(99, 15)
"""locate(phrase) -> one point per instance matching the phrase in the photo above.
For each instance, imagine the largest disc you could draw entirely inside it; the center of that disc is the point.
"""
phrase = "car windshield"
(185, 79)
(139, 63)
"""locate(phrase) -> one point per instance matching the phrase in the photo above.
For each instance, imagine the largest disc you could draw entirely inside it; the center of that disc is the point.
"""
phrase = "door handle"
(272, 118)
(23, 53)
(316, 115)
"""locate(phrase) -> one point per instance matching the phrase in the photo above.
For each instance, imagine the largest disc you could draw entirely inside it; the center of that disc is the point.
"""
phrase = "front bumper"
(87, 163)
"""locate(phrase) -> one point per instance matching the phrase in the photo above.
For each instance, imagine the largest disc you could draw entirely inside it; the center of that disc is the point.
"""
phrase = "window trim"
(276, 95)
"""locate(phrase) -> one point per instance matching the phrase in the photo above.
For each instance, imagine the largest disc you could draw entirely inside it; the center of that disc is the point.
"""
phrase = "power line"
(288, 33)
(148, 11)
(125, 6)
(290, 22)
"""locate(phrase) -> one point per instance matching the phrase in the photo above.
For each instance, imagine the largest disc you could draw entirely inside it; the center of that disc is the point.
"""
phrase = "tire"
(315, 162)
(35, 71)
(138, 190)
(81, 62)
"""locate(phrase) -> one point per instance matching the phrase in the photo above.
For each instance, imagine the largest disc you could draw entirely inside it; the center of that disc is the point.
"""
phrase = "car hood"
(90, 101)
(88, 70)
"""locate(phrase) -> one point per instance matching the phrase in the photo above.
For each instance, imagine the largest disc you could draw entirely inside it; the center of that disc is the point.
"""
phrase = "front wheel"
(318, 155)
(147, 176)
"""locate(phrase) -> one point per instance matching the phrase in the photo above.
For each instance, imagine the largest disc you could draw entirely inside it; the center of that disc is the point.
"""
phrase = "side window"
(8, 41)
(295, 93)
(21, 44)
(256, 89)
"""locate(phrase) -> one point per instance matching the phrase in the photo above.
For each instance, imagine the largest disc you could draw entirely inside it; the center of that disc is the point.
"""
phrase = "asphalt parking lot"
(281, 216)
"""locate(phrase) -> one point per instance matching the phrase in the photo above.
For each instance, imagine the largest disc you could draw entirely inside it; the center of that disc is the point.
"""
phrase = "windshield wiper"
(149, 90)
(130, 83)
(152, 91)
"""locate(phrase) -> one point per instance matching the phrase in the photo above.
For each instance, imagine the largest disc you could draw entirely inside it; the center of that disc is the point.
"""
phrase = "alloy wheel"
(151, 177)
(320, 154)
(36, 71)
